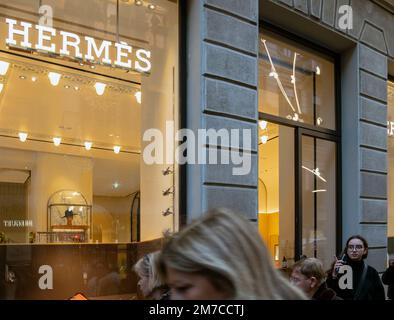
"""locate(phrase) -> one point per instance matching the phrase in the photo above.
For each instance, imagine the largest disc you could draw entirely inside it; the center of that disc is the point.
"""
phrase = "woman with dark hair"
(362, 281)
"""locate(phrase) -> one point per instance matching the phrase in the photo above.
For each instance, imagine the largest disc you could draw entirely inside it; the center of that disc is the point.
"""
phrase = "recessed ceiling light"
(88, 145)
(138, 2)
(76, 88)
(92, 67)
(54, 78)
(116, 149)
(151, 6)
(22, 136)
(115, 185)
(67, 86)
(263, 124)
(22, 77)
(100, 88)
(34, 79)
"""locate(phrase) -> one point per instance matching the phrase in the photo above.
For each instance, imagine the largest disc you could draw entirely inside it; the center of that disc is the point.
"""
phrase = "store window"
(390, 165)
(298, 150)
(80, 83)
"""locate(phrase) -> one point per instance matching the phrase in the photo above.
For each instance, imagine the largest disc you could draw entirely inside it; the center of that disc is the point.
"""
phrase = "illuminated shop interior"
(71, 167)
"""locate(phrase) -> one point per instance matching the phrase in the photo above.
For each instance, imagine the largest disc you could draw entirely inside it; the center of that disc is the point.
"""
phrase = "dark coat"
(325, 293)
(388, 278)
(372, 288)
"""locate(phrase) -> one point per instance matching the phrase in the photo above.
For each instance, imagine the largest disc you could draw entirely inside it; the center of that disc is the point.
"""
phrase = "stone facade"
(224, 82)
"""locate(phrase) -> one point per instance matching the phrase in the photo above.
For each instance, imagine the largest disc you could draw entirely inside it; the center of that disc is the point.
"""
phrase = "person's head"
(222, 256)
(356, 248)
(147, 270)
(308, 274)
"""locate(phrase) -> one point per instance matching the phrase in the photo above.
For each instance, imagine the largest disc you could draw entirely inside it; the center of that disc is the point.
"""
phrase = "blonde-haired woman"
(222, 256)
(151, 283)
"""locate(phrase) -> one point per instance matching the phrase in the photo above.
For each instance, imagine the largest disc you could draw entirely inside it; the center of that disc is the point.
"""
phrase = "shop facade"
(308, 79)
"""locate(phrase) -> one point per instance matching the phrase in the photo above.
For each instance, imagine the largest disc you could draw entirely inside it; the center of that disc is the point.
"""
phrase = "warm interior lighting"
(22, 136)
(34, 79)
(1, 87)
(152, 6)
(115, 185)
(100, 88)
(116, 149)
(54, 78)
(263, 124)
(318, 70)
(3, 67)
(264, 139)
(88, 145)
(138, 2)
(138, 96)
(57, 141)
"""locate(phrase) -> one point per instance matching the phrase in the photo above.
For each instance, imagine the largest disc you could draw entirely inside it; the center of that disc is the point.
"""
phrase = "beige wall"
(52, 173)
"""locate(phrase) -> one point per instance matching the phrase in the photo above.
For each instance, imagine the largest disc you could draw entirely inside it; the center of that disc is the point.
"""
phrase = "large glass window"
(297, 154)
(296, 83)
(80, 83)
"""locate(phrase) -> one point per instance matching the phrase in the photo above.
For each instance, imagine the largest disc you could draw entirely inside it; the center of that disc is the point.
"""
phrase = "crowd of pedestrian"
(222, 256)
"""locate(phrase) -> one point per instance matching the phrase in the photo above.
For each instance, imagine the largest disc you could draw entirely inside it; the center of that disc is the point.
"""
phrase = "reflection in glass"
(318, 198)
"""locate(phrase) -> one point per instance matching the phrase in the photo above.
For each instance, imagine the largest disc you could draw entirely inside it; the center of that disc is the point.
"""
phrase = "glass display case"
(69, 218)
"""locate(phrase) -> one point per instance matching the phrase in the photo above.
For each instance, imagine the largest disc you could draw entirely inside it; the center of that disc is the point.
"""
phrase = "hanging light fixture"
(22, 136)
(57, 141)
(54, 78)
(88, 145)
(100, 88)
(3, 67)
(138, 96)
(116, 149)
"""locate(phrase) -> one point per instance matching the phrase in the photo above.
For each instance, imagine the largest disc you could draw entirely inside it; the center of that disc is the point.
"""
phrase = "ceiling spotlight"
(3, 67)
(67, 86)
(138, 96)
(138, 2)
(1, 87)
(57, 141)
(22, 136)
(273, 74)
(88, 145)
(100, 88)
(34, 79)
(151, 6)
(54, 78)
(264, 139)
(263, 124)
(115, 185)
(76, 88)
(22, 77)
(92, 67)
(116, 149)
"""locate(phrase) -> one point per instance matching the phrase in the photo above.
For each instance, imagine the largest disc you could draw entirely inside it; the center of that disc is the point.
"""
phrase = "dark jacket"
(388, 278)
(372, 288)
(325, 293)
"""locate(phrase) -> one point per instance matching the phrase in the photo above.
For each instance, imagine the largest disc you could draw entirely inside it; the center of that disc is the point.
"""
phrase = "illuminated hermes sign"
(76, 47)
